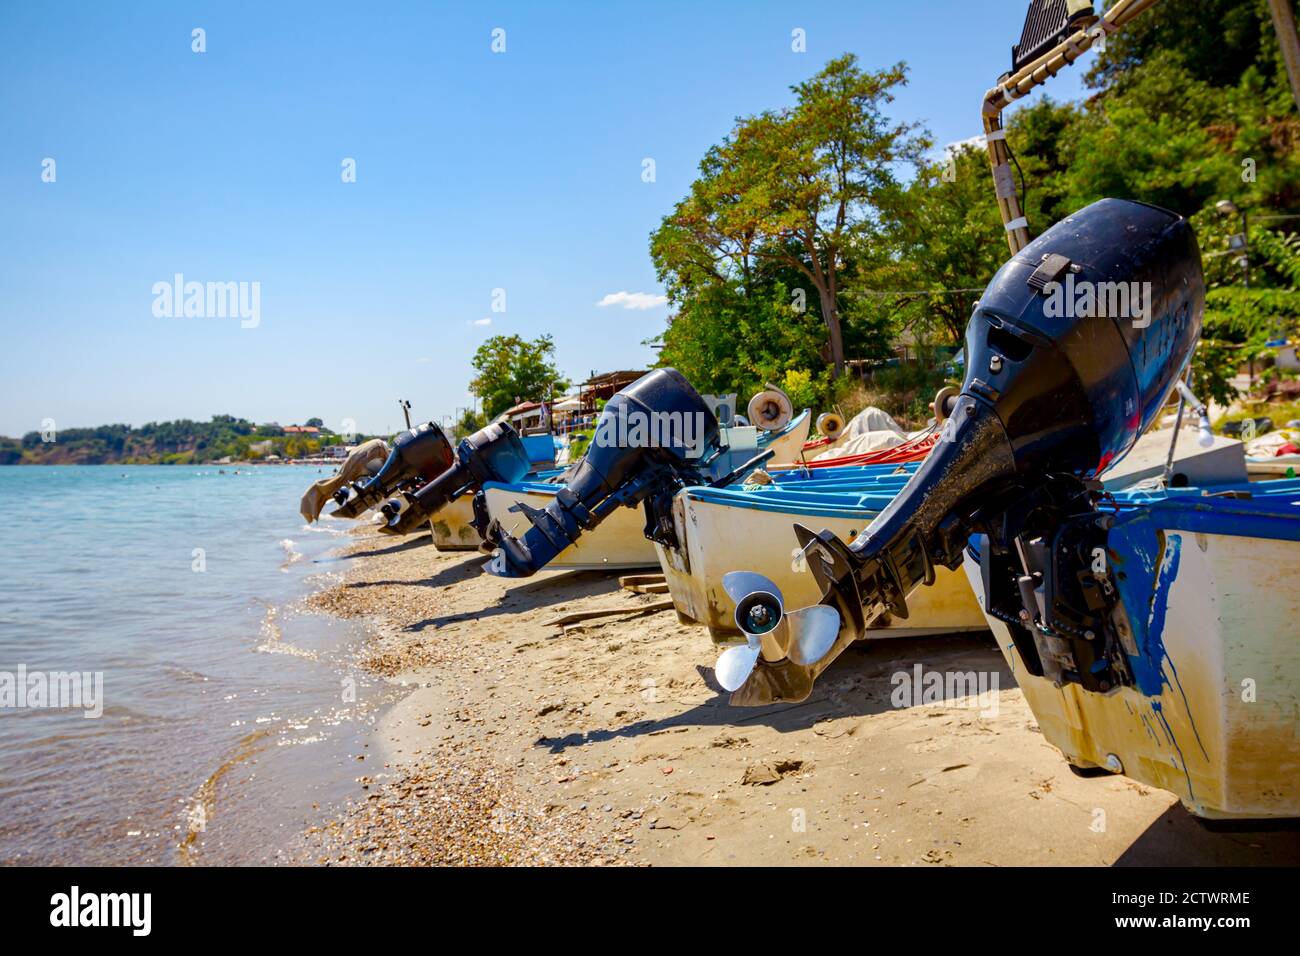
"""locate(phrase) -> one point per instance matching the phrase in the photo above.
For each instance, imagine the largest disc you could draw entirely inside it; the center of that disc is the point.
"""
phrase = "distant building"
(336, 451)
(301, 430)
(529, 417)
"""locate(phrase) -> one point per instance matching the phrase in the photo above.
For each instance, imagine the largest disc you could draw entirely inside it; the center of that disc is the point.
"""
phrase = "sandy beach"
(522, 741)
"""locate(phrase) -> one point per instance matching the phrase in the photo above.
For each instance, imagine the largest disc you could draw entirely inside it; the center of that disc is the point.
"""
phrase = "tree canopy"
(826, 230)
(509, 369)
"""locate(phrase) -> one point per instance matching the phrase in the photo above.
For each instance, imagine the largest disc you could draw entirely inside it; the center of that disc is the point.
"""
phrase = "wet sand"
(521, 742)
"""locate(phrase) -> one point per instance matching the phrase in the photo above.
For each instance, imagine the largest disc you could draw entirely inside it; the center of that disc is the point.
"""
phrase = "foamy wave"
(291, 553)
(274, 642)
(318, 529)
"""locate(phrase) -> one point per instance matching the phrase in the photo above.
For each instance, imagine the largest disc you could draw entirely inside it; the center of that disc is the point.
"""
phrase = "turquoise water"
(232, 718)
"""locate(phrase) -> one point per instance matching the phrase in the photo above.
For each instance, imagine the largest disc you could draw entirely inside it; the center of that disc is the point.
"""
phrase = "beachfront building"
(529, 418)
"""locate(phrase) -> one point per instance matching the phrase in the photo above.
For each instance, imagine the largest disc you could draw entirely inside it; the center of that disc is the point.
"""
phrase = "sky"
(495, 191)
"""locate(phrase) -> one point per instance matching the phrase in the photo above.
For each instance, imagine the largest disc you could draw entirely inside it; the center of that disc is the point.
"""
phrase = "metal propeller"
(772, 633)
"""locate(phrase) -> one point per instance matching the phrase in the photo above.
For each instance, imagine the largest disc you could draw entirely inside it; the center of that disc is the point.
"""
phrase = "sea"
(228, 719)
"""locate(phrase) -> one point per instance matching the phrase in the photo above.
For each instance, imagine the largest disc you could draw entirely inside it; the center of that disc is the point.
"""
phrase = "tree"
(795, 187)
(940, 256)
(468, 423)
(508, 369)
(315, 423)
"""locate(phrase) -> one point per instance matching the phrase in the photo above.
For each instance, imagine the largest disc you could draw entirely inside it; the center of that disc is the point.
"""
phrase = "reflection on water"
(232, 719)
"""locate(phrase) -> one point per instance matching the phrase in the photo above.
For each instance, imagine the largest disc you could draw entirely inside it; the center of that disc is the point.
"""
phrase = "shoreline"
(521, 742)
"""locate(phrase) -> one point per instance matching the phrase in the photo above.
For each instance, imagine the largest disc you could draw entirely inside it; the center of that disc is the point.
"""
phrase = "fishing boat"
(720, 529)
(1209, 608)
(620, 541)
(453, 526)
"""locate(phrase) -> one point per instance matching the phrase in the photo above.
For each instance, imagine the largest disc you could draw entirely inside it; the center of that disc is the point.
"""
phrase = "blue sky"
(475, 171)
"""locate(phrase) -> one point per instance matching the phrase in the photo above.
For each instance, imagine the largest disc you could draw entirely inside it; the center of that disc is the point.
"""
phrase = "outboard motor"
(653, 438)
(1071, 353)
(494, 453)
(419, 454)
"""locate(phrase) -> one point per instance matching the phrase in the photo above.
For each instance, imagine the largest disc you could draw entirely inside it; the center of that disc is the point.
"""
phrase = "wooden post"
(1284, 24)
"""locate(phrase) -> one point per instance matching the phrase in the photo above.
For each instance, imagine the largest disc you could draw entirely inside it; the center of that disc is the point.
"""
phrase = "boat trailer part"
(418, 455)
(494, 453)
(1056, 391)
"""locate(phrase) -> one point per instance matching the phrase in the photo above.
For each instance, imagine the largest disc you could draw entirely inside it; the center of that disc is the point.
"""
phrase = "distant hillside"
(167, 443)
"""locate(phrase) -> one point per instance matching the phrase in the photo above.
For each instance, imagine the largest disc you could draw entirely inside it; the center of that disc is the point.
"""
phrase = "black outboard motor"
(494, 453)
(653, 438)
(419, 454)
(1071, 353)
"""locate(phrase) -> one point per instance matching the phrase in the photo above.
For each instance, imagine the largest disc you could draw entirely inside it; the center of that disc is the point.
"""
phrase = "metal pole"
(1178, 426)
(1245, 247)
(1019, 84)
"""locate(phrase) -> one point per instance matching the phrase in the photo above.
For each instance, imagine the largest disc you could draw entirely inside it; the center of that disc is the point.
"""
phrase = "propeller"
(804, 635)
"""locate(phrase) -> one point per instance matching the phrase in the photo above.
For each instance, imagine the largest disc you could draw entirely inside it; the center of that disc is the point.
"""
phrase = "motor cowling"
(1071, 352)
(418, 454)
(651, 438)
(493, 453)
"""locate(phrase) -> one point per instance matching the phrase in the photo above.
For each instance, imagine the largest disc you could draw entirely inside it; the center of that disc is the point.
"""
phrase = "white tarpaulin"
(869, 430)
(353, 467)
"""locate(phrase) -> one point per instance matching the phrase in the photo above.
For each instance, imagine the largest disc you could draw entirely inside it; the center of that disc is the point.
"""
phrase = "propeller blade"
(735, 664)
(812, 632)
(741, 584)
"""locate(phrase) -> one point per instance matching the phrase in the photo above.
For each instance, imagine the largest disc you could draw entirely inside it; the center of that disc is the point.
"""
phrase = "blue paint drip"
(1144, 581)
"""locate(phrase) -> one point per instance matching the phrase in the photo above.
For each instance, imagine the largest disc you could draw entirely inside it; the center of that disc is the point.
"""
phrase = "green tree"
(509, 369)
(795, 187)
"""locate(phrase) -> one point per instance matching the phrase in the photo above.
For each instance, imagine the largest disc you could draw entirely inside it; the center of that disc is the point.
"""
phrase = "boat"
(720, 529)
(619, 543)
(787, 442)
(453, 526)
(619, 539)
(1208, 581)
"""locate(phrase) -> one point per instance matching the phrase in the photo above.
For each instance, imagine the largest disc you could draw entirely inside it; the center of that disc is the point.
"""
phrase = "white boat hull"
(617, 543)
(717, 538)
(453, 526)
(1221, 733)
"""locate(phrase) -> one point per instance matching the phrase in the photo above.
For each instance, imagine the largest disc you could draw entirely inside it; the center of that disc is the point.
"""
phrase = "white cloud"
(482, 322)
(422, 359)
(633, 300)
(973, 142)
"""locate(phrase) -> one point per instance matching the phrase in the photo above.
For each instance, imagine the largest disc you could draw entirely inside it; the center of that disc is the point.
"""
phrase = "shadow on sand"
(860, 685)
(1176, 838)
(551, 589)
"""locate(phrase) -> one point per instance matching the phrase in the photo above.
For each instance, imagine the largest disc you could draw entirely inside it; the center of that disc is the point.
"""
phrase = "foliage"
(792, 188)
(509, 369)
(169, 443)
(470, 422)
(819, 196)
